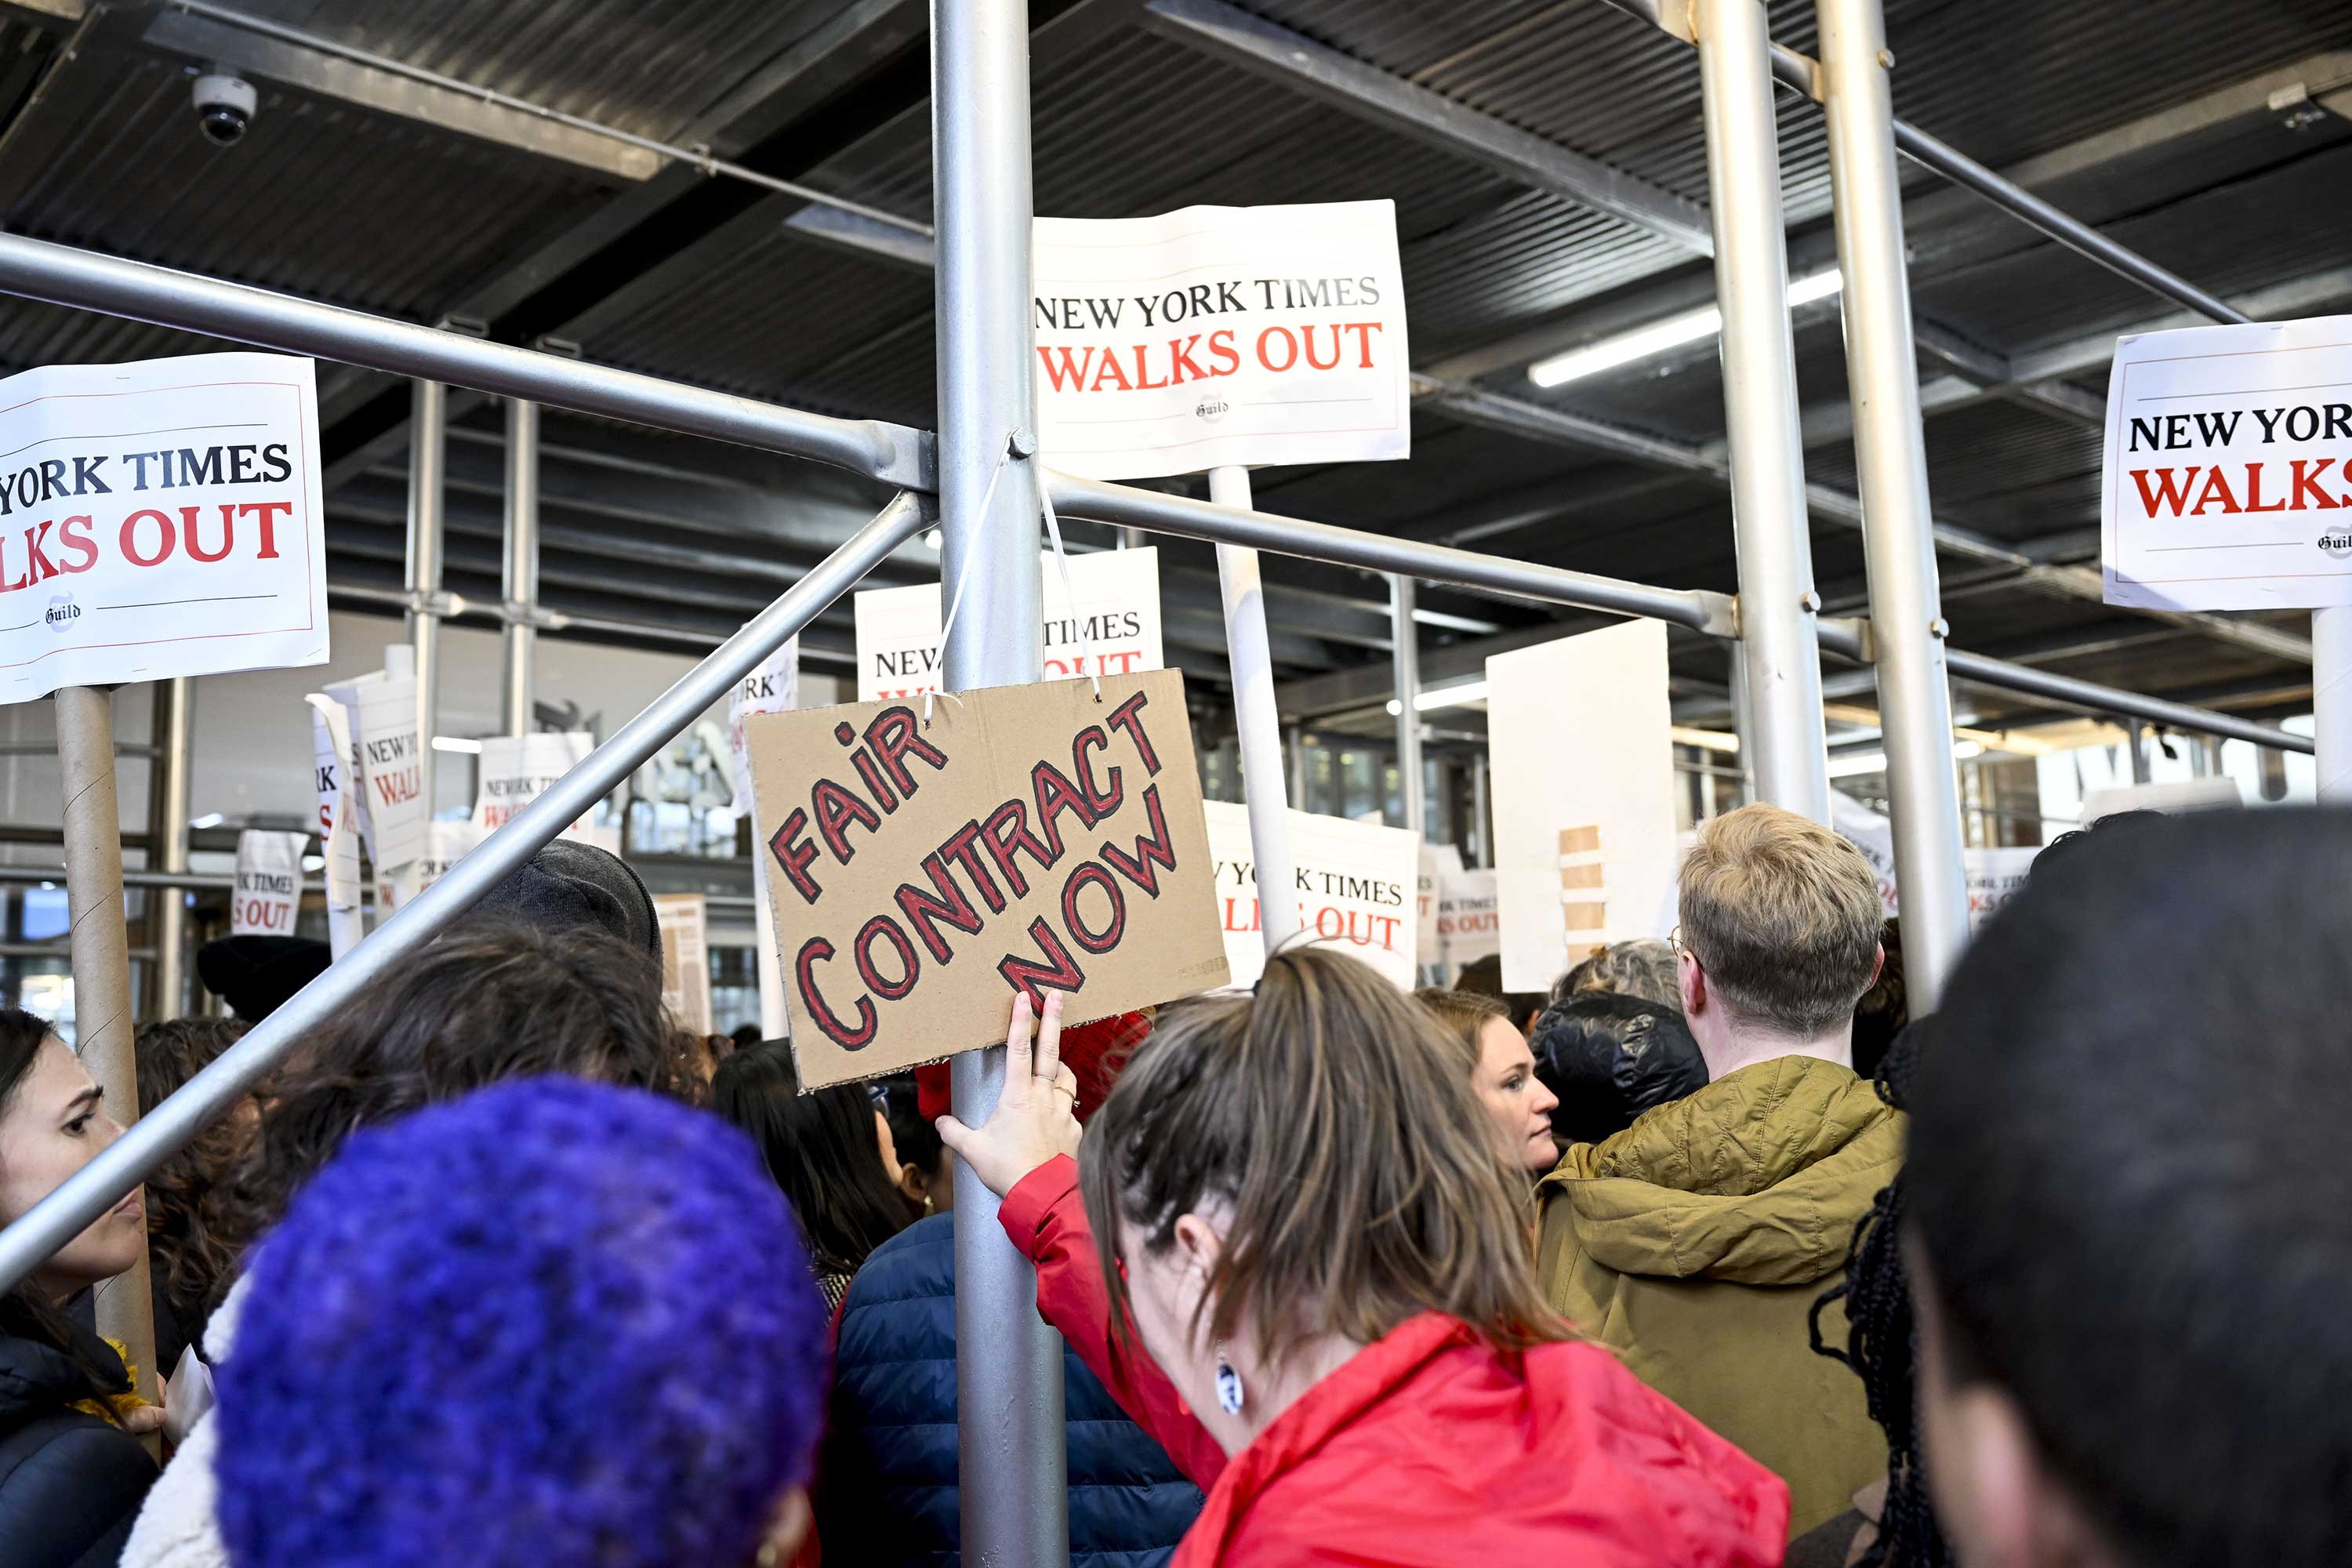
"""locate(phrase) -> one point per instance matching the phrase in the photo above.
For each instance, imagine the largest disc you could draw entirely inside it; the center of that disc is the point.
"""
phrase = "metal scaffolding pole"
(1777, 602)
(427, 491)
(1294, 766)
(1405, 642)
(1915, 698)
(167, 815)
(1481, 822)
(102, 980)
(520, 585)
(2331, 701)
(1009, 1438)
(212, 1093)
(1257, 728)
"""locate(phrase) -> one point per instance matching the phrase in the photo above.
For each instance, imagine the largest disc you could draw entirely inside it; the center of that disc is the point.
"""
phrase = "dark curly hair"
(490, 1001)
(190, 1254)
(551, 1323)
(1882, 1348)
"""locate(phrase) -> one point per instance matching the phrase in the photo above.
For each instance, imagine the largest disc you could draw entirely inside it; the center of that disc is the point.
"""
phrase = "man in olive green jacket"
(1696, 1242)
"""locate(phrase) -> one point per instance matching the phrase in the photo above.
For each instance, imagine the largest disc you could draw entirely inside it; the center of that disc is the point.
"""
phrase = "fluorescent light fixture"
(1460, 695)
(209, 819)
(1690, 327)
(457, 743)
(314, 862)
(931, 538)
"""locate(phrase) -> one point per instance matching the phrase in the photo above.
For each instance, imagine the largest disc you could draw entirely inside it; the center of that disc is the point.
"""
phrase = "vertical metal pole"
(427, 469)
(519, 586)
(1257, 729)
(168, 821)
(1293, 766)
(1915, 698)
(1743, 724)
(2136, 738)
(1404, 637)
(1009, 1442)
(1777, 601)
(1481, 824)
(102, 973)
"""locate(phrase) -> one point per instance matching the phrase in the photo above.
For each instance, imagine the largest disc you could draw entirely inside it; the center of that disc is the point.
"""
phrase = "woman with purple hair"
(550, 1322)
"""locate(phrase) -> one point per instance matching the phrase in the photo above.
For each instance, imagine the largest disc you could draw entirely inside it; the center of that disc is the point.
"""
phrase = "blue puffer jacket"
(887, 1492)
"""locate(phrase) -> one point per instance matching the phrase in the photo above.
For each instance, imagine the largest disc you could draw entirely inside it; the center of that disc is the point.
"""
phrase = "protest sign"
(1212, 336)
(1354, 883)
(269, 883)
(1584, 816)
(339, 837)
(446, 844)
(517, 770)
(159, 519)
(1994, 874)
(1116, 609)
(685, 959)
(1047, 839)
(387, 775)
(1469, 926)
(2228, 453)
(1437, 860)
(772, 687)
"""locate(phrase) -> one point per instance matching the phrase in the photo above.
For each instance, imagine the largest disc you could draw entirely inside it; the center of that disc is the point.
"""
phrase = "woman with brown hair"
(1293, 1201)
(1502, 1071)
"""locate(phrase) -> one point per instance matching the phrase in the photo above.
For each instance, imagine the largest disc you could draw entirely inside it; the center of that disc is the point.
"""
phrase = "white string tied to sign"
(963, 576)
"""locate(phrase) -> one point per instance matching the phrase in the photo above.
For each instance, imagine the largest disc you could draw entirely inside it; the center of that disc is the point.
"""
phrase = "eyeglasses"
(1683, 948)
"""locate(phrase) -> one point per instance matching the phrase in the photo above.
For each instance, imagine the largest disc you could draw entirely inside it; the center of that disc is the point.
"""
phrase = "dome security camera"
(224, 106)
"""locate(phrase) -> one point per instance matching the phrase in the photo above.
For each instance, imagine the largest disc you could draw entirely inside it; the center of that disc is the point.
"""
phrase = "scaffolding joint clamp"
(515, 612)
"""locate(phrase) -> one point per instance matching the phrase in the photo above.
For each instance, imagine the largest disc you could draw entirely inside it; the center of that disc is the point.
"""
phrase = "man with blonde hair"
(1696, 1242)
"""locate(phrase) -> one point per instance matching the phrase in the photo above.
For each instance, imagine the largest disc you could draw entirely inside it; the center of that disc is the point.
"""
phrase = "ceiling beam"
(1234, 35)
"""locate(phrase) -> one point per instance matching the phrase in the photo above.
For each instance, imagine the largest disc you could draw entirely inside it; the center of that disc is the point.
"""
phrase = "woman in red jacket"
(1292, 1201)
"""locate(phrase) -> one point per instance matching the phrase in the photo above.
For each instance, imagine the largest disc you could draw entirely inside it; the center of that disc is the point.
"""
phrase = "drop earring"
(1230, 1392)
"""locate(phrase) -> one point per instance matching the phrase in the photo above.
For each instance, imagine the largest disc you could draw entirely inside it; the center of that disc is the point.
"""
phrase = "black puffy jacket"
(1610, 1058)
(887, 1495)
(70, 1484)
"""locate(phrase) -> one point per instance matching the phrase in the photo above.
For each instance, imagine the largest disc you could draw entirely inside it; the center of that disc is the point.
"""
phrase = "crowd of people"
(1707, 1256)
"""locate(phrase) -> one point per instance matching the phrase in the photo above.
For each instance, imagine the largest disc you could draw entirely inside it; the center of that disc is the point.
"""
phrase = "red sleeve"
(1044, 1217)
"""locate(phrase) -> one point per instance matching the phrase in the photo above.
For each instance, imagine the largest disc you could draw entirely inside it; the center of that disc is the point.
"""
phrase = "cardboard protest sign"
(1469, 923)
(685, 959)
(1115, 615)
(1355, 886)
(2229, 457)
(1584, 816)
(339, 834)
(517, 770)
(1028, 838)
(1220, 335)
(159, 518)
(269, 883)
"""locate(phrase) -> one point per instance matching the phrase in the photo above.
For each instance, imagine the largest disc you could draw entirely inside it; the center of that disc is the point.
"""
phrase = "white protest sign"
(1994, 875)
(1355, 889)
(1437, 860)
(159, 519)
(1469, 926)
(1584, 814)
(269, 883)
(517, 770)
(446, 844)
(388, 780)
(773, 687)
(684, 920)
(1212, 336)
(1117, 608)
(2229, 455)
(339, 837)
